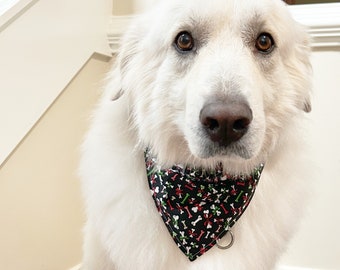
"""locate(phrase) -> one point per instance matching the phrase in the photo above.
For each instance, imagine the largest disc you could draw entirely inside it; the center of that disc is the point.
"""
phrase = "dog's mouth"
(213, 174)
(202, 147)
(216, 151)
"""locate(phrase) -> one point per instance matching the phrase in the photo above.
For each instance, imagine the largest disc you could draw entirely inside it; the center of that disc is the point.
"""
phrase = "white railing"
(322, 20)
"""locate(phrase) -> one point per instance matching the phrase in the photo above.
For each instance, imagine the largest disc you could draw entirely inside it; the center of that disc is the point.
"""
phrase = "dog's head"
(215, 81)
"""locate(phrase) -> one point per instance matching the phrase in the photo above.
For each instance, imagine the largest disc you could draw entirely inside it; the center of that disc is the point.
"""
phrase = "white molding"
(322, 21)
(117, 27)
(14, 12)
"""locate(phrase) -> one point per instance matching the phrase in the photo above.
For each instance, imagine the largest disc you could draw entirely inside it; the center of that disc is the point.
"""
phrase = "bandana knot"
(199, 206)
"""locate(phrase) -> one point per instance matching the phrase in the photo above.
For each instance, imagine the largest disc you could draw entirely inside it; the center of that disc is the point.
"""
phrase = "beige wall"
(317, 245)
(128, 7)
(40, 52)
(122, 7)
(41, 213)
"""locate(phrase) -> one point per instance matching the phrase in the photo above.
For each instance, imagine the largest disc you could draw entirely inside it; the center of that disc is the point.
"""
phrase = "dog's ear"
(128, 48)
(117, 95)
(303, 68)
(114, 85)
(307, 106)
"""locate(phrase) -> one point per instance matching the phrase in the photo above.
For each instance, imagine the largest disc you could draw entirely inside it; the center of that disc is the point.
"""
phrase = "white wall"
(317, 245)
(41, 208)
(128, 7)
(142, 5)
(40, 53)
(121, 8)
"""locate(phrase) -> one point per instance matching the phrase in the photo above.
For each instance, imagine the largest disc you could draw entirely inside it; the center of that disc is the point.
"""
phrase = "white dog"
(204, 86)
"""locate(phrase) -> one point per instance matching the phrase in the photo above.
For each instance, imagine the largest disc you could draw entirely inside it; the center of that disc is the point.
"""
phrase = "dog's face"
(217, 81)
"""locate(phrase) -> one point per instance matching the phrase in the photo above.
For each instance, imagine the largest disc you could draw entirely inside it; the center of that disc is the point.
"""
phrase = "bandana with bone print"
(198, 206)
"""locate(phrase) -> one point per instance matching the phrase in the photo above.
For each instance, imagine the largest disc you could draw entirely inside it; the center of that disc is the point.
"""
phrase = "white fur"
(159, 93)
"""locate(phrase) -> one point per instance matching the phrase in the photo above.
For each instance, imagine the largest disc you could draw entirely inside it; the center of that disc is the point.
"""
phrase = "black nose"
(226, 122)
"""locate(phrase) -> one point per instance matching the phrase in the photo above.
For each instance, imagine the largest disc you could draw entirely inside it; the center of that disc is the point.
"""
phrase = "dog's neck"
(199, 206)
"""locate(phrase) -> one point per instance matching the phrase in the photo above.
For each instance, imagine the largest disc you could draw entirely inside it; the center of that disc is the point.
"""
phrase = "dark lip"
(213, 150)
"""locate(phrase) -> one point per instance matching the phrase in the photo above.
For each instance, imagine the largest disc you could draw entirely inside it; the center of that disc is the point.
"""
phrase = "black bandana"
(197, 206)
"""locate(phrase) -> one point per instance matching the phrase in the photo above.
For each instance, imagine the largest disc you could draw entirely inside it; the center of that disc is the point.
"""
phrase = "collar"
(199, 206)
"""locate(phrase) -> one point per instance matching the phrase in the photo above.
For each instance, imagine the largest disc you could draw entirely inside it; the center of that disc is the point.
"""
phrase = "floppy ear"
(303, 69)
(307, 106)
(117, 95)
(127, 49)
(114, 85)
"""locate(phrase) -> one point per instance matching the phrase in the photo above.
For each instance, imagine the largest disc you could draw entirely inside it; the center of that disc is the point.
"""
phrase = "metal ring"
(230, 243)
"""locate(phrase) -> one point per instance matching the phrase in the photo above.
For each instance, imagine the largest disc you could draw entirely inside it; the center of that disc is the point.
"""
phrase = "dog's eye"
(264, 43)
(184, 41)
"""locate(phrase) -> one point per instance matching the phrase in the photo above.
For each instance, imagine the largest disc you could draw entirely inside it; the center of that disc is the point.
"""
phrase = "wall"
(120, 8)
(40, 53)
(142, 5)
(41, 213)
(129, 7)
(317, 244)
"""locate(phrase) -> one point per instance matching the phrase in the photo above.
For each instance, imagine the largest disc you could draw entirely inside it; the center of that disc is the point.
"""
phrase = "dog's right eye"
(184, 41)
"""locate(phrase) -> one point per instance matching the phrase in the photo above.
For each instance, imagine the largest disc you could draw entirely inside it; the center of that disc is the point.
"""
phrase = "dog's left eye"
(184, 41)
(264, 43)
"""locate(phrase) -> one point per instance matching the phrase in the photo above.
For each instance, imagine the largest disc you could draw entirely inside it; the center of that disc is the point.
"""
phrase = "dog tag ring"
(230, 244)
